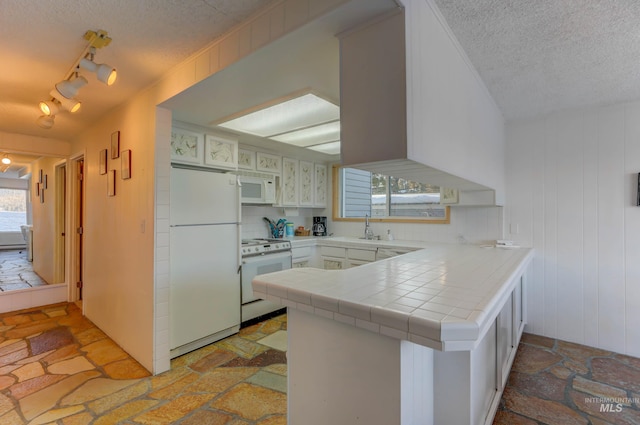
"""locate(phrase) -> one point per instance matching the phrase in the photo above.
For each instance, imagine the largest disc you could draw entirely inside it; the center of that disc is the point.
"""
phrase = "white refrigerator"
(204, 296)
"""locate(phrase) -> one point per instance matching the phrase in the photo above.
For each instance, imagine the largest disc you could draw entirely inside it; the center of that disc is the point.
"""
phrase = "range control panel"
(264, 246)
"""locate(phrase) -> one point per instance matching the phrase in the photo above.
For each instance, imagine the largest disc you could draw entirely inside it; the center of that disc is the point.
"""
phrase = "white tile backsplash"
(477, 225)
(254, 226)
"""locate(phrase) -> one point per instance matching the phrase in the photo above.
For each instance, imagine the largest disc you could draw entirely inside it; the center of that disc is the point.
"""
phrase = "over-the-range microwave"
(257, 190)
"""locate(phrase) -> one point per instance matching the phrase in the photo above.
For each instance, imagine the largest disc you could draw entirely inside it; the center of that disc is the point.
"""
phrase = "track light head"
(105, 73)
(49, 107)
(45, 121)
(70, 105)
(69, 88)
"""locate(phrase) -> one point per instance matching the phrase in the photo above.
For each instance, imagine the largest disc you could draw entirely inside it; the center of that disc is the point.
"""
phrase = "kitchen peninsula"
(427, 337)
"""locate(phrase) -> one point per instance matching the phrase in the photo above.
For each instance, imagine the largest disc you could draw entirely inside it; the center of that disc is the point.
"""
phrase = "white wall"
(118, 237)
(572, 189)
(453, 124)
(44, 220)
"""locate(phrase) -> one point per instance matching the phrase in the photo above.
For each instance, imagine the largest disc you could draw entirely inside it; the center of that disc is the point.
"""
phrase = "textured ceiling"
(534, 56)
(542, 56)
(41, 40)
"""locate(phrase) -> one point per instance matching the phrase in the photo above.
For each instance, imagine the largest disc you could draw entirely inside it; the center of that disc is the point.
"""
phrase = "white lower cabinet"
(476, 378)
(300, 263)
(332, 263)
(339, 258)
(302, 256)
(361, 255)
(504, 340)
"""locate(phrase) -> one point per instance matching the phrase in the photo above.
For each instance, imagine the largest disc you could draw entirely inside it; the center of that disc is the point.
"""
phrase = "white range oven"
(260, 256)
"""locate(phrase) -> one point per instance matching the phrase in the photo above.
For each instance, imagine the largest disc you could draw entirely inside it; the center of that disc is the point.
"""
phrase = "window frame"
(336, 201)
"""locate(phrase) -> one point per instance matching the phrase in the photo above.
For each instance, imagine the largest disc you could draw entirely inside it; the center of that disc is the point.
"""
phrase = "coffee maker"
(319, 226)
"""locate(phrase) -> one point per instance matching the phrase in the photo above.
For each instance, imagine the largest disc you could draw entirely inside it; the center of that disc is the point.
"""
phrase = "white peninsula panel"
(427, 337)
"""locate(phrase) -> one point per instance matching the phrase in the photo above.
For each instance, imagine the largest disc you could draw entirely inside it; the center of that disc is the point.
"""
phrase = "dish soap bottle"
(389, 235)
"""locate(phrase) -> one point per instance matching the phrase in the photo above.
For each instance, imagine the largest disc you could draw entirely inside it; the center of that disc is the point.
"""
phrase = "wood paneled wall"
(571, 192)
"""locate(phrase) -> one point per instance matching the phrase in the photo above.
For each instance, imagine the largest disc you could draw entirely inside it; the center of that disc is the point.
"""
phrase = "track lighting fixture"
(105, 73)
(64, 93)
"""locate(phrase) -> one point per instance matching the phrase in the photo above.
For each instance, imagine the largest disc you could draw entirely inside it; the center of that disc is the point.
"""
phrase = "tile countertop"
(443, 296)
(346, 241)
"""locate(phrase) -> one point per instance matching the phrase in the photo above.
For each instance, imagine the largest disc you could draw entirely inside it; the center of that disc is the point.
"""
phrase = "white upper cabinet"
(268, 163)
(289, 185)
(313, 184)
(187, 147)
(307, 187)
(320, 193)
(220, 152)
(205, 150)
(301, 183)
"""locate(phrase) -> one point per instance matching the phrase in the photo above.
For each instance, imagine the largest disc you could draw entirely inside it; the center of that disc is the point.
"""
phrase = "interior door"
(60, 228)
(79, 226)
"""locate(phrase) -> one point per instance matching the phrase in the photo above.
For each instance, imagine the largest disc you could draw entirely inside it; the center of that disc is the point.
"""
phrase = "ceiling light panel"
(323, 133)
(332, 148)
(298, 113)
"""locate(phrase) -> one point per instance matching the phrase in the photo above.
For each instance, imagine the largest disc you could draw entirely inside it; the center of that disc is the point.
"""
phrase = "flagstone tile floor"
(560, 383)
(16, 272)
(56, 367)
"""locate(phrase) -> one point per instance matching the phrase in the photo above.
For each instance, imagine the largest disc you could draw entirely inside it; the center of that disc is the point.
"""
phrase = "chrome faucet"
(368, 233)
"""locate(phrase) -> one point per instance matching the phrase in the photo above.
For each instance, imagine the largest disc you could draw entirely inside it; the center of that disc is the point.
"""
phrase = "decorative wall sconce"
(64, 93)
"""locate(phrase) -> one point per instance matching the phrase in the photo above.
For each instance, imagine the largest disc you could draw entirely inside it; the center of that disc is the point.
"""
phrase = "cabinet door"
(320, 185)
(220, 152)
(330, 263)
(187, 147)
(307, 188)
(505, 344)
(290, 182)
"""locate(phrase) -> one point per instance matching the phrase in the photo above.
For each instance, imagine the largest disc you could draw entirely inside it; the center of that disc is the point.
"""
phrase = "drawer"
(304, 251)
(332, 251)
(300, 263)
(361, 254)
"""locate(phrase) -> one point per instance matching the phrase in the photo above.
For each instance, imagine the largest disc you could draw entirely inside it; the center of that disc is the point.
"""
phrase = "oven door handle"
(266, 257)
